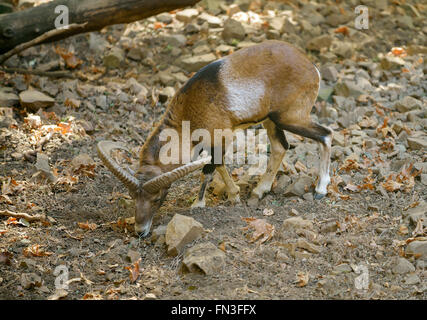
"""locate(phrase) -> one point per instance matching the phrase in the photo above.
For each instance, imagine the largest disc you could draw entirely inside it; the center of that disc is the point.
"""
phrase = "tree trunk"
(23, 26)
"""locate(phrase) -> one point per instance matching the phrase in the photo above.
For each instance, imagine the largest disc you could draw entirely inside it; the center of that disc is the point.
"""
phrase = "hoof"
(318, 196)
(198, 204)
(235, 199)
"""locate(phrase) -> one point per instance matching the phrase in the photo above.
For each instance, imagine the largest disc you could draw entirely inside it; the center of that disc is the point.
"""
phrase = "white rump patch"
(244, 96)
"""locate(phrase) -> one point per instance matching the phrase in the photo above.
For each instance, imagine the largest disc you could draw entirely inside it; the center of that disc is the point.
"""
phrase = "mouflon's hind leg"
(279, 145)
(323, 135)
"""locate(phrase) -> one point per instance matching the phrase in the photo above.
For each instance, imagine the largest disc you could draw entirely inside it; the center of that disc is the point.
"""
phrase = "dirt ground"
(361, 223)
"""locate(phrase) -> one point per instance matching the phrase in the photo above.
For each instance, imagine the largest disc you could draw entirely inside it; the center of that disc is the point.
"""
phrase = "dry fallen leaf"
(261, 229)
(87, 225)
(134, 270)
(70, 59)
(35, 250)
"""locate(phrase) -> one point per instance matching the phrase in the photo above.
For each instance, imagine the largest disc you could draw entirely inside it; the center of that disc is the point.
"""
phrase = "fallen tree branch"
(24, 26)
(51, 74)
(39, 39)
(26, 216)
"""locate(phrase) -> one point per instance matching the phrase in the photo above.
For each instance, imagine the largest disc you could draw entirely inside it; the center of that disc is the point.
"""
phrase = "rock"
(97, 43)
(323, 41)
(113, 58)
(187, 15)
(35, 100)
(191, 28)
(408, 103)
(180, 231)
(164, 17)
(417, 143)
(391, 62)
(166, 78)
(82, 159)
(329, 227)
(348, 88)
(402, 266)
(295, 223)
(136, 54)
(7, 98)
(213, 22)
(310, 247)
(30, 280)
(325, 93)
(273, 35)
(158, 232)
(299, 187)
(233, 29)
(342, 49)
(150, 296)
(166, 93)
(135, 87)
(417, 248)
(329, 73)
(101, 101)
(412, 279)
(194, 63)
(175, 40)
(405, 22)
(132, 256)
(341, 268)
(416, 213)
(203, 258)
(277, 23)
(42, 165)
(87, 126)
(282, 183)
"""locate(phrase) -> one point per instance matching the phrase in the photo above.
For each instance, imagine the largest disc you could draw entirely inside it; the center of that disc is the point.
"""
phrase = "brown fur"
(291, 83)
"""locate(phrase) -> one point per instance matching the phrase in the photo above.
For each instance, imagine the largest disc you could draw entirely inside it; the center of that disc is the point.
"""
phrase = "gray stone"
(233, 29)
(213, 22)
(194, 63)
(30, 280)
(323, 41)
(282, 183)
(132, 256)
(114, 58)
(408, 103)
(180, 231)
(417, 143)
(412, 215)
(277, 23)
(203, 258)
(402, 266)
(299, 187)
(7, 98)
(164, 17)
(412, 279)
(295, 223)
(35, 100)
(176, 40)
(187, 15)
(329, 73)
(347, 88)
(417, 248)
(341, 268)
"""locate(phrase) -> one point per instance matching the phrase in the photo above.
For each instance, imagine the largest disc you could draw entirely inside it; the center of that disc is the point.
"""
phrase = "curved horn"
(167, 178)
(104, 148)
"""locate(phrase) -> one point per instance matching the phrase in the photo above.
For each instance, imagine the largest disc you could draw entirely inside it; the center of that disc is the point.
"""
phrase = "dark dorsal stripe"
(207, 73)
